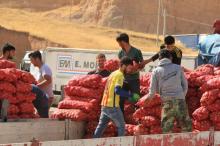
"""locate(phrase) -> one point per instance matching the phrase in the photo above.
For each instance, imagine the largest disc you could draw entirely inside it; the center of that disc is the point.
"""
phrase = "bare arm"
(47, 80)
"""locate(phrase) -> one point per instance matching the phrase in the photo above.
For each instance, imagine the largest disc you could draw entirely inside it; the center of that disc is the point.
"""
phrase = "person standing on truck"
(100, 60)
(8, 53)
(110, 102)
(169, 81)
(176, 53)
(209, 48)
(132, 81)
(45, 75)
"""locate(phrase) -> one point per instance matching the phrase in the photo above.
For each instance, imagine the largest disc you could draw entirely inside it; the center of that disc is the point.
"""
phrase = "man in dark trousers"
(100, 60)
(132, 81)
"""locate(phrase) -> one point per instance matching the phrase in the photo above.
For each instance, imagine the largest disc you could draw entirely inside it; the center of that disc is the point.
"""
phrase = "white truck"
(67, 62)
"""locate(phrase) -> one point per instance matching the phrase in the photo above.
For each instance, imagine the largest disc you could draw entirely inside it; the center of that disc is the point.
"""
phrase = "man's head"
(123, 40)
(100, 59)
(164, 54)
(216, 26)
(8, 51)
(169, 42)
(36, 58)
(126, 64)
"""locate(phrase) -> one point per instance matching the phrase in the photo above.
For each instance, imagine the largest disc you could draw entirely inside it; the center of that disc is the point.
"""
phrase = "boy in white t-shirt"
(45, 75)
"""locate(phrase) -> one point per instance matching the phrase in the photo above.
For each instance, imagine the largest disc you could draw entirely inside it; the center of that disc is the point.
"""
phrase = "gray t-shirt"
(45, 70)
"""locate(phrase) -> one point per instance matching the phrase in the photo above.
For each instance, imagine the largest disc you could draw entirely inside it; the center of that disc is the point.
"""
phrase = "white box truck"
(67, 62)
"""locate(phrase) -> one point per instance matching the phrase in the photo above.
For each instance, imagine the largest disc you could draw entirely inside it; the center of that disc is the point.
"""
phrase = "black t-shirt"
(176, 56)
(103, 73)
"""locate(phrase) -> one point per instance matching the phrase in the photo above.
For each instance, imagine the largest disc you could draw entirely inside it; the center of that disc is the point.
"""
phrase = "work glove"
(134, 98)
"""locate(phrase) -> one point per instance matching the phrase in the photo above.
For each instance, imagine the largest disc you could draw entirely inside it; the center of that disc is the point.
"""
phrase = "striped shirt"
(110, 99)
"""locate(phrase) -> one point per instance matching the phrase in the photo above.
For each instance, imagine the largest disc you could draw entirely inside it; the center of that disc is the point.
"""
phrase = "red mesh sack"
(156, 129)
(129, 129)
(83, 92)
(203, 79)
(7, 87)
(11, 75)
(211, 84)
(208, 69)
(91, 81)
(13, 109)
(149, 121)
(209, 97)
(153, 102)
(145, 80)
(202, 125)
(140, 130)
(215, 106)
(217, 126)
(25, 97)
(201, 113)
(112, 65)
(27, 78)
(23, 87)
(7, 64)
(144, 90)
(215, 117)
(26, 108)
(74, 104)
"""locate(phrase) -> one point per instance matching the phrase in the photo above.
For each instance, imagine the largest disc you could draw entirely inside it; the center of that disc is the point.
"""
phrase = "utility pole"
(158, 22)
(164, 22)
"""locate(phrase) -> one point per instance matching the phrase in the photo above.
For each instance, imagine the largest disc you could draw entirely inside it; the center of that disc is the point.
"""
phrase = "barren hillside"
(45, 23)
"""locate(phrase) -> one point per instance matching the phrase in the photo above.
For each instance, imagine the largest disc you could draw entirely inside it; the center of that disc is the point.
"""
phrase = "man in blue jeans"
(110, 102)
(41, 102)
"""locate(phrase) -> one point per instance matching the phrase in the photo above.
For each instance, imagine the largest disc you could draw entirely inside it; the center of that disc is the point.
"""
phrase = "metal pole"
(164, 22)
(158, 22)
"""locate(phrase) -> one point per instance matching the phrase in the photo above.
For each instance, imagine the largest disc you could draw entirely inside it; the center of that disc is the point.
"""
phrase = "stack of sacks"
(209, 113)
(149, 114)
(82, 101)
(203, 97)
(15, 85)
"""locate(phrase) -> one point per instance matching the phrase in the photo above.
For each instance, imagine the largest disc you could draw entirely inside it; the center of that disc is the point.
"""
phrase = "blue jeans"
(41, 102)
(107, 114)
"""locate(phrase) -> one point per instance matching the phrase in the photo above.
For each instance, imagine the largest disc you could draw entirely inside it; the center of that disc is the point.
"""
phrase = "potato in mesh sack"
(74, 104)
(211, 84)
(7, 64)
(7, 87)
(91, 81)
(202, 125)
(83, 92)
(73, 114)
(209, 97)
(215, 117)
(208, 69)
(215, 106)
(156, 129)
(149, 121)
(201, 113)
(153, 102)
(112, 65)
